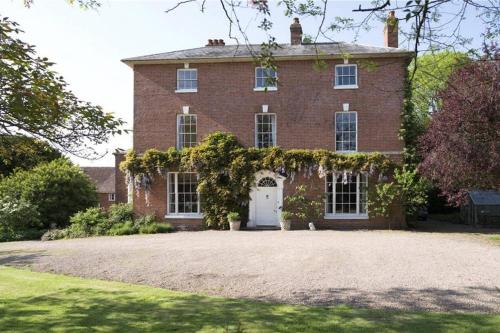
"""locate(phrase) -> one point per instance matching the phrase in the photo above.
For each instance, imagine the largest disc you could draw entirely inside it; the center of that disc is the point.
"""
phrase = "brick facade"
(305, 105)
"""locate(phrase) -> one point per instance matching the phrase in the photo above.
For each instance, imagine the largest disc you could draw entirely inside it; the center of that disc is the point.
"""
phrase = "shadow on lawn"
(470, 299)
(19, 257)
(84, 309)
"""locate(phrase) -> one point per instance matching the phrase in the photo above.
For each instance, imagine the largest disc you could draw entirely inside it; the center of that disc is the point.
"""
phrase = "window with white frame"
(346, 76)
(183, 197)
(347, 194)
(111, 197)
(187, 80)
(265, 78)
(346, 131)
(265, 130)
(186, 131)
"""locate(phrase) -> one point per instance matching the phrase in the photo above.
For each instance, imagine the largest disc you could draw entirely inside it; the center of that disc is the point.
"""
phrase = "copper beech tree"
(461, 148)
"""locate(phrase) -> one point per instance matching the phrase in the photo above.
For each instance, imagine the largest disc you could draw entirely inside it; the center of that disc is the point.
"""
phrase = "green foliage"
(18, 219)
(286, 216)
(58, 188)
(227, 170)
(380, 202)
(55, 234)
(302, 208)
(156, 228)
(408, 187)
(36, 101)
(120, 229)
(120, 212)
(430, 78)
(233, 216)
(90, 222)
(22, 152)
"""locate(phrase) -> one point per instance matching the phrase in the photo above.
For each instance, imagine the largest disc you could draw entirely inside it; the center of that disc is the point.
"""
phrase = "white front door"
(266, 205)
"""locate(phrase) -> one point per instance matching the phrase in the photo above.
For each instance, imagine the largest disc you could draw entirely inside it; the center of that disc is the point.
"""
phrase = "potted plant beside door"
(286, 220)
(234, 221)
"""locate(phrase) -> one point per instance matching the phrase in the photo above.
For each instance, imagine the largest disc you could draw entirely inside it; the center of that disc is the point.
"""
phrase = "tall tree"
(461, 148)
(22, 152)
(36, 101)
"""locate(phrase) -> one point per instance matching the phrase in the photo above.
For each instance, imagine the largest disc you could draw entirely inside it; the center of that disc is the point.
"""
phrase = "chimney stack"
(391, 30)
(295, 32)
(216, 42)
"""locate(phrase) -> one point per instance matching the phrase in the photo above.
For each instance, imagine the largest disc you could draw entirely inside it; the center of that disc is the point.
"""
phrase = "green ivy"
(227, 170)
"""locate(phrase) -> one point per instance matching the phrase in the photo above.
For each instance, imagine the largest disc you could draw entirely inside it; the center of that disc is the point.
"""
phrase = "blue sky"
(87, 45)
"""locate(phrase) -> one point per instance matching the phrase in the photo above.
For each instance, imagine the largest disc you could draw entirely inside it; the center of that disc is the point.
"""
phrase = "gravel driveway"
(378, 269)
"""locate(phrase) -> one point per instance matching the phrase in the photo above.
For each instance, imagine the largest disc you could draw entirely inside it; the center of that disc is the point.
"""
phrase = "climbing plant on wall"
(227, 170)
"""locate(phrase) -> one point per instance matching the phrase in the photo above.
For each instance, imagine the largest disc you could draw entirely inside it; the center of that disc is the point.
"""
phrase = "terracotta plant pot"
(234, 225)
(286, 225)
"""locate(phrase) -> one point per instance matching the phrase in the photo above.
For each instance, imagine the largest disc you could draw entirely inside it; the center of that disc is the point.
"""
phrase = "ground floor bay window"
(183, 197)
(346, 196)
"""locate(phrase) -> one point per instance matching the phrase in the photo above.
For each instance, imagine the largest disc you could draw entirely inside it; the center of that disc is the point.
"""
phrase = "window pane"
(265, 130)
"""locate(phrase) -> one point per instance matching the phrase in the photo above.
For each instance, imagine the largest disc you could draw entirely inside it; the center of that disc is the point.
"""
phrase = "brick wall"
(305, 105)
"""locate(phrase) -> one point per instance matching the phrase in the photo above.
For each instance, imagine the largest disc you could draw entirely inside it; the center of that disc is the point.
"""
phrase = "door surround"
(252, 211)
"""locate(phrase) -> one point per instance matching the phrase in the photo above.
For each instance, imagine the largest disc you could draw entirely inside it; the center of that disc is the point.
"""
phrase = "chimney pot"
(210, 42)
(391, 30)
(216, 42)
(295, 32)
(221, 42)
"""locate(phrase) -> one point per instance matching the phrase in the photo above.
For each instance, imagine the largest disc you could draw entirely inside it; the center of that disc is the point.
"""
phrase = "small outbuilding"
(482, 209)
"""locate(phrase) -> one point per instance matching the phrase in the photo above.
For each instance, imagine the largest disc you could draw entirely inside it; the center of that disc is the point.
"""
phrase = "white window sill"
(346, 151)
(182, 91)
(184, 216)
(346, 217)
(346, 87)
(265, 89)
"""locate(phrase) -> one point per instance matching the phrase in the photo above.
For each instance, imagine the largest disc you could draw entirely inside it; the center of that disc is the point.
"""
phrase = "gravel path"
(378, 269)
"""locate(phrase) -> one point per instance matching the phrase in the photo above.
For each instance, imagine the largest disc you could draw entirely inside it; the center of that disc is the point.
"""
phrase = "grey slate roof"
(103, 177)
(235, 52)
(485, 197)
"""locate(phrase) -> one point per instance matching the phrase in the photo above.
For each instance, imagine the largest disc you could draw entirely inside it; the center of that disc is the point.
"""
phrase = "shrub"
(233, 216)
(286, 216)
(156, 228)
(18, 219)
(127, 228)
(90, 222)
(59, 189)
(121, 212)
(145, 220)
(54, 234)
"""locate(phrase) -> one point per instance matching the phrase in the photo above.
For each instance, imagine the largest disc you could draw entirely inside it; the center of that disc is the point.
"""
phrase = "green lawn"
(40, 302)
(495, 238)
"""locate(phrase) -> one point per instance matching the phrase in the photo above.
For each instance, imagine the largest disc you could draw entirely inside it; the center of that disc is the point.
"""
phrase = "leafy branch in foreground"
(36, 101)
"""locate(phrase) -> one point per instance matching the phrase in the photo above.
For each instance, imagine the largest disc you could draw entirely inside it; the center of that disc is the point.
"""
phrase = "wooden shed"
(482, 209)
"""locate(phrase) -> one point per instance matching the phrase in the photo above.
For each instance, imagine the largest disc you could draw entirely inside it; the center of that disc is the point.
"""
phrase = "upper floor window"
(346, 76)
(186, 131)
(265, 78)
(183, 197)
(265, 130)
(346, 131)
(187, 80)
(347, 195)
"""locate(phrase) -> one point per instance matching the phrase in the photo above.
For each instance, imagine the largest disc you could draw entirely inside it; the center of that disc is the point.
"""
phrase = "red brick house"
(181, 96)
(104, 179)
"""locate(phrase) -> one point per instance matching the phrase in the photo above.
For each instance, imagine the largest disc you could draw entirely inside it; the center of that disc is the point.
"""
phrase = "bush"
(156, 228)
(90, 222)
(54, 234)
(121, 212)
(127, 228)
(18, 219)
(145, 220)
(59, 189)
(233, 216)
